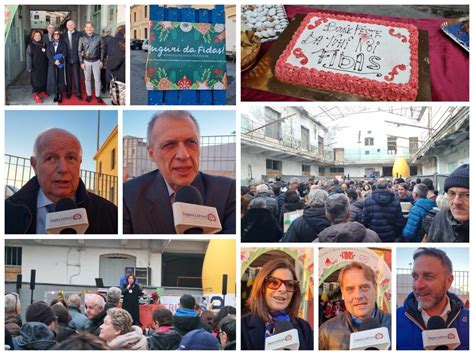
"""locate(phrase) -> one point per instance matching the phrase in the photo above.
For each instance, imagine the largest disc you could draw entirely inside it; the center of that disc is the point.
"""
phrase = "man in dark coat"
(259, 224)
(185, 318)
(382, 213)
(452, 224)
(73, 65)
(174, 145)
(56, 160)
(116, 55)
(96, 312)
(313, 221)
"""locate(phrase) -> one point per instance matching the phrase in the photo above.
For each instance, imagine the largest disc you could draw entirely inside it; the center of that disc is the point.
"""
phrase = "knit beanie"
(40, 312)
(458, 178)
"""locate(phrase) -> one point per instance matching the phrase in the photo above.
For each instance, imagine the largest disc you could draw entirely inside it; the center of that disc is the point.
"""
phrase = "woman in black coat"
(132, 292)
(57, 55)
(37, 65)
(116, 55)
(275, 298)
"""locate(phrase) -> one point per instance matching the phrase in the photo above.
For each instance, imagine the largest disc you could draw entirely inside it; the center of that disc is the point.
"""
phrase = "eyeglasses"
(464, 196)
(274, 283)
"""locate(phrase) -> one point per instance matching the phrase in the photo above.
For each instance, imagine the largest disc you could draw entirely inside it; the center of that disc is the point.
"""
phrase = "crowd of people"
(364, 210)
(56, 59)
(106, 324)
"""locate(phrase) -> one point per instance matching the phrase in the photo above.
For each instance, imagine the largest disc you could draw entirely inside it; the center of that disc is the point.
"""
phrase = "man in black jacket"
(73, 67)
(56, 160)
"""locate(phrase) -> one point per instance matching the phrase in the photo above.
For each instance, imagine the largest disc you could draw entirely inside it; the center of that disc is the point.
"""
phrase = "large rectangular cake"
(371, 58)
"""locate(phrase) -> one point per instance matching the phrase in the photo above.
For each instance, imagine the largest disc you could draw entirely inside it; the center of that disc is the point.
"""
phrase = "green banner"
(10, 11)
(186, 56)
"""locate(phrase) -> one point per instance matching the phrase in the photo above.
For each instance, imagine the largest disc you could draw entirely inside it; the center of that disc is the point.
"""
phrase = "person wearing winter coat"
(263, 191)
(338, 212)
(292, 203)
(356, 206)
(313, 221)
(119, 333)
(132, 292)
(432, 276)
(37, 66)
(74, 307)
(57, 52)
(383, 214)
(413, 231)
(259, 225)
(65, 327)
(35, 336)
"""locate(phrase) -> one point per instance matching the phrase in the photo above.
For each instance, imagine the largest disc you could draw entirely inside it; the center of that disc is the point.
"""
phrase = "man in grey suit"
(173, 144)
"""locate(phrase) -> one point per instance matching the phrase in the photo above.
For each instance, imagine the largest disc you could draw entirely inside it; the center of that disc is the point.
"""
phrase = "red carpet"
(75, 101)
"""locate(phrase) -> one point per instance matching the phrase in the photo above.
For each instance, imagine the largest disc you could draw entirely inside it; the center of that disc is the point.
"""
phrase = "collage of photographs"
(321, 207)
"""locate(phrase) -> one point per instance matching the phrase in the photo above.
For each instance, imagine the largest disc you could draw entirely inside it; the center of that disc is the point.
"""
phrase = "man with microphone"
(56, 161)
(432, 277)
(173, 143)
(359, 291)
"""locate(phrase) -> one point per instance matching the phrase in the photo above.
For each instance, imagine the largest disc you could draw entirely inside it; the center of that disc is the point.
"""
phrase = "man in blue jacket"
(432, 277)
(413, 231)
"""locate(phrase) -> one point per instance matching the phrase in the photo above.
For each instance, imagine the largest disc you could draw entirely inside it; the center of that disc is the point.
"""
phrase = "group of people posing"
(370, 210)
(109, 324)
(56, 59)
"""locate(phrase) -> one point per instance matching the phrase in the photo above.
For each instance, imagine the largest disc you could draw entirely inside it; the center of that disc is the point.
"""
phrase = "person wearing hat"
(199, 339)
(452, 224)
(39, 331)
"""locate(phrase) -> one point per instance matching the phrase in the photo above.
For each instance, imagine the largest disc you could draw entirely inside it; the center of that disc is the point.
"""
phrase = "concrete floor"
(407, 11)
(139, 95)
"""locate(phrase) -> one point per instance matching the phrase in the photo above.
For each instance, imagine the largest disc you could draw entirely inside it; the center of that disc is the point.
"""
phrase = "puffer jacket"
(169, 340)
(135, 340)
(445, 229)
(335, 334)
(382, 213)
(259, 225)
(356, 211)
(413, 231)
(307, 227)
(91, 48)
(410, 324)
(348, 232)
(12, 324)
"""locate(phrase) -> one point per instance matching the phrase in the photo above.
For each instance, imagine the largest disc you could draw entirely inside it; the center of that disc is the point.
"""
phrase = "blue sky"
(22, 127)
(211, 122)
(459, 257)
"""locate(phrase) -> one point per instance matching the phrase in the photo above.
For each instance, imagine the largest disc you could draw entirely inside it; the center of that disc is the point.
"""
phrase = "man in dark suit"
(48, 36)
(173, 144)
(73, 65)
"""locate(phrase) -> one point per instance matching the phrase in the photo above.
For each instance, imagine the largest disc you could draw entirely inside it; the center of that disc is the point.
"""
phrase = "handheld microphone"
(285, 337)
(371, 336)
(191, 216)
(68, 219)
(438, 336)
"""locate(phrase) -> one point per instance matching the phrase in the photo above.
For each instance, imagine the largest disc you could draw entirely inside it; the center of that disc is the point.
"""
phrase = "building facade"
(139, 21)
(106, 159)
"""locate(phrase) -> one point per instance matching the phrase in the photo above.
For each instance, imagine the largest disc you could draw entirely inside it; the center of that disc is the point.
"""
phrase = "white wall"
(456, 157)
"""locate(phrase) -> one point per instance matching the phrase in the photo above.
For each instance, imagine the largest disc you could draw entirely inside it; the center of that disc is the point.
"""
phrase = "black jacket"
(20, 210)
(91, 48)
(307, 227)
(382, 213)
(164, 340)
(357, 207)
(73, 54)
(259, 225)
(348, 232)
(116, 57)
(253, 333)
(184, 325)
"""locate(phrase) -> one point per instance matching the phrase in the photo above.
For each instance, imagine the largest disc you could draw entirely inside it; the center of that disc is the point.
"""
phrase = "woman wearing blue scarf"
(275, 297)
(57, 54)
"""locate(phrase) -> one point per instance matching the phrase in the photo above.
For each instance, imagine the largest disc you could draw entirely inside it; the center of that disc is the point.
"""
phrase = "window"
(134, 17)
(181, 270)
(369, 141)
(13, 256)
(367, 152)
(336, 169)
(146, 33)
(112, 160)
(143, 275)
(304, 138)
(100, 167)
(391, 145)
(369, 132)
(321, 170)
(413, 144)
(134, 34)
(146, 11)
(272, 130)
(273, 167)
(36, 17)
(320, 145)
(306, 170)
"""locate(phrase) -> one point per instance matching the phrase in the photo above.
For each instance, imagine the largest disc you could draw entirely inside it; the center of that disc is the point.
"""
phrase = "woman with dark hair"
(275, 297)
(132, 292)
(63, 330)
(37, 65)
(57, 55)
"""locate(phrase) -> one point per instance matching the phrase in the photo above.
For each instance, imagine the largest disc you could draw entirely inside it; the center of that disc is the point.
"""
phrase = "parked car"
(136, 44)
(145, 45)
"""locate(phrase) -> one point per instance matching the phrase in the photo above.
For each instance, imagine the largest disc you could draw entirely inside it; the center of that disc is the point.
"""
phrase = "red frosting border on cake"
(344, 82)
